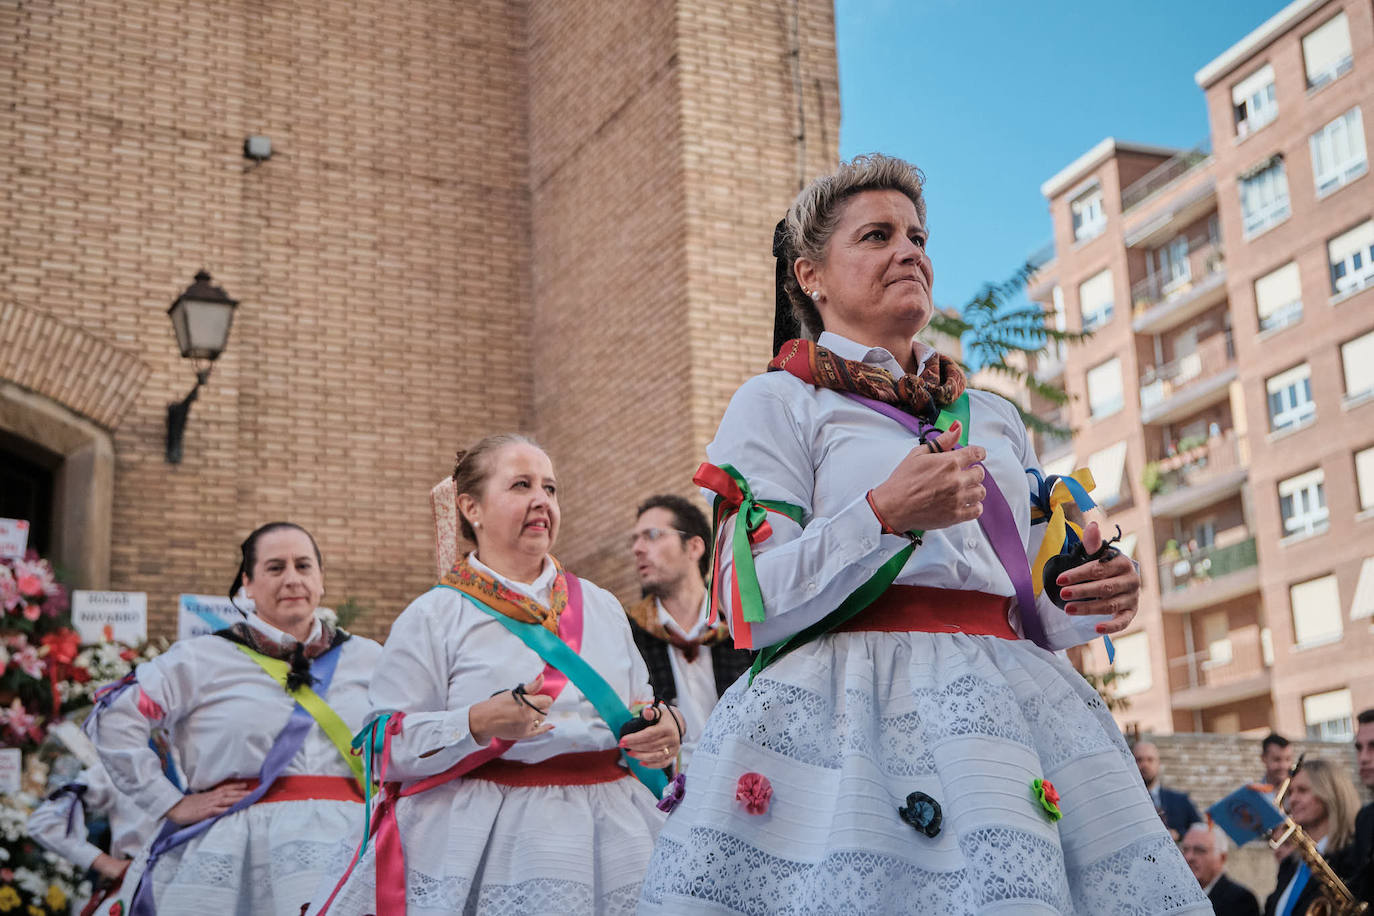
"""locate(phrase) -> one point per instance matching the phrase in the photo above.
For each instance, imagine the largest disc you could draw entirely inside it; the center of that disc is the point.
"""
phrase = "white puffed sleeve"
(48, 824)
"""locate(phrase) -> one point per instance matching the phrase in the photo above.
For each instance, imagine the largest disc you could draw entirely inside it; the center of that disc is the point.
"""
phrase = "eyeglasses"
(650, 535)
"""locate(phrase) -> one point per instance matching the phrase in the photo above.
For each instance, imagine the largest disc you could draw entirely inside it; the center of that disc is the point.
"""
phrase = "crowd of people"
(844, 692)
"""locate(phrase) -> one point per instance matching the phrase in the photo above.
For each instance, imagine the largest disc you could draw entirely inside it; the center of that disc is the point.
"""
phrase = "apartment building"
(1225, 402)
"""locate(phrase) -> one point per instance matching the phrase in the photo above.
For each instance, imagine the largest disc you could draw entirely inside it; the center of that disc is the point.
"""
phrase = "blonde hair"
(472, 467)
(1333, 788)
(813, 216)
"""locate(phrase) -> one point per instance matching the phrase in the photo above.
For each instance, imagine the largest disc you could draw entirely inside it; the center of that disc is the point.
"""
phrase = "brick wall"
(477, 217)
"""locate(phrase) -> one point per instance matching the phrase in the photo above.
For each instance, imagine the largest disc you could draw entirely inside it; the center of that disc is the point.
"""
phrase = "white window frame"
(1254, 101)
(1264, 200)
(1307, 510)
(1088, 214)
(1338, 152)
(1287, 307)
(1173, 264)
(1350, 258)
(1100, 312)
(1364, 478)
(1107, 407)
(1293, 389)
(1337, 727)
(1335, 32)
(1357, 361)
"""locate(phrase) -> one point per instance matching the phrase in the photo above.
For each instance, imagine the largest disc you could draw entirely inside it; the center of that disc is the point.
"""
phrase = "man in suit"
(1175, 808)
(690, 661)
(1364, 821)
(1205, 849)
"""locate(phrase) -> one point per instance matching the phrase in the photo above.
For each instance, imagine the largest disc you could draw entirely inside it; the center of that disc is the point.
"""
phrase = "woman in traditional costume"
(260, 716)
(503, 700)
(908, 741)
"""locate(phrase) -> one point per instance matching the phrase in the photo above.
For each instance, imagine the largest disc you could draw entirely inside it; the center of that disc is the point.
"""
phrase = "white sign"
(11, 766)
(110, 616)
(201, 614)
(14, 537)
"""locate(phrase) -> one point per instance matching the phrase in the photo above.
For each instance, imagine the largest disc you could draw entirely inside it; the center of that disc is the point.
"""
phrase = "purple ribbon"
(997, 521)
(281, 753)
(75, 792)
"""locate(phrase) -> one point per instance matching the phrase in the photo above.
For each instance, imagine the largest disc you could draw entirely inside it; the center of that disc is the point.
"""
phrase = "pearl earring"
(816, 295)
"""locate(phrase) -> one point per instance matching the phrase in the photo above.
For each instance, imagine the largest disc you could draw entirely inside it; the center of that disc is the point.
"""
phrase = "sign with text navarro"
(201, 614)
(110, 616)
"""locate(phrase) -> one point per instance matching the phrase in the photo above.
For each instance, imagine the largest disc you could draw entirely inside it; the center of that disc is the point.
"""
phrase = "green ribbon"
(750, 517)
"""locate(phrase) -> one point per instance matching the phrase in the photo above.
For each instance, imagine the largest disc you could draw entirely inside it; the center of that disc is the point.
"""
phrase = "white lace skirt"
(846, 727)
(473, 846)
(263, 861)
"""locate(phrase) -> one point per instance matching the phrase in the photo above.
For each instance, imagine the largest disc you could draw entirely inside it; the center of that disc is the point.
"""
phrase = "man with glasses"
(690, 662)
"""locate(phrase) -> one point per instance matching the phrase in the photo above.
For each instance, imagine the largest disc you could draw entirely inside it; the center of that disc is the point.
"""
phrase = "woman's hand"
(932, 489)
(108, 866)
(198, 806)
(656, 746)
(504, 716)
(1102, 586)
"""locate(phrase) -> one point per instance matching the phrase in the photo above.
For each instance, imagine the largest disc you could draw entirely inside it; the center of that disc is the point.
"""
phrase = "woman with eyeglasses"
(260, 715)
(509, 727)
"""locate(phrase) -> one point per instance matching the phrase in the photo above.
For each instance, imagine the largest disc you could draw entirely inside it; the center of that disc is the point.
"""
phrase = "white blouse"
(130, 825)
(822, 451)
(444, 654)
(223, 713)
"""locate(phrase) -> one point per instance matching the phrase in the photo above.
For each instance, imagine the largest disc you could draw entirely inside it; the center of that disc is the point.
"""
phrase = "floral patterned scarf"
(489, 591)
(299, 655)
(938, 385)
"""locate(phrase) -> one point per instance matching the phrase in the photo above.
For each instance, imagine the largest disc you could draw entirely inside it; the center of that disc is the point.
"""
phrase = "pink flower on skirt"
(755, 792)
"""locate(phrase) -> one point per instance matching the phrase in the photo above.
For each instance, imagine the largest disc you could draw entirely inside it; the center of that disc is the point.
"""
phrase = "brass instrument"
(1336, 899)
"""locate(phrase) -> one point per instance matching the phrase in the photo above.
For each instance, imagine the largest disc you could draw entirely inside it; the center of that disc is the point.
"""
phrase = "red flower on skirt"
(755, 792)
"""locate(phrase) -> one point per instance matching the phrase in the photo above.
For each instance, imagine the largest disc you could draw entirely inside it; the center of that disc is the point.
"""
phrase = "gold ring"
(538, 722)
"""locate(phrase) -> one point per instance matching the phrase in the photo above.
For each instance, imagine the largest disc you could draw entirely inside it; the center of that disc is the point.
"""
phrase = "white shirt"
(223, 713)
(130, 825)
(444, 654)
(822, 451)
(695, 680)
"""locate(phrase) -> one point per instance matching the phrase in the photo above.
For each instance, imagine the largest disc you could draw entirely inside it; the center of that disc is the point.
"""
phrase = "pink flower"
(27, 660)
(33, 611)
(755, 792)
(30, 585)
(9, 592)
(20, 721)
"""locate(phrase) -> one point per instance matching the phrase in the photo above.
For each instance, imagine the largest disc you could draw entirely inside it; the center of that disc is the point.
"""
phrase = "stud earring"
(815, 295)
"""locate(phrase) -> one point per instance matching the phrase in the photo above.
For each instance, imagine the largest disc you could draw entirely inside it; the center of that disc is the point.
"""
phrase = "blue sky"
(992, 97)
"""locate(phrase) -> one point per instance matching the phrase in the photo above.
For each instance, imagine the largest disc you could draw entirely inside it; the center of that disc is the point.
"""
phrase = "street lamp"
(201, 317)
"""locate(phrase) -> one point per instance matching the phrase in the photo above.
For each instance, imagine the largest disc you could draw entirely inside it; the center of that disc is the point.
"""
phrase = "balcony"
(1160, 303)
(1186, 385)
(1178, 192)
(1227, 671)
(1163, 175)
(1196, 477)
(1194, 579)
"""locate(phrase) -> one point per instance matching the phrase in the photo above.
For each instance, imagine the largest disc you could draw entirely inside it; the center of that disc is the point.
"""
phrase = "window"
(1216, 636)
(1172, 261)
(1105, 396)
(1254, 101)
(1316, 611)
(1357, 358)
(1290, 398)
(1328, 716)
(1264, 196)
(1326, 51)
(1302, 503)
(1133, 663)
(1095, 300)
(1108, 468)
(1338, 152)
(1364, 477)
(1362, 607)
(1056, 349)
(1351, 256)
(1278, 297)
(1089, 219)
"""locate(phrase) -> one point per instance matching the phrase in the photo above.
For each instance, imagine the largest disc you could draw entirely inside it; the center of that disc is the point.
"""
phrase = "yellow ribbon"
(1057, 528)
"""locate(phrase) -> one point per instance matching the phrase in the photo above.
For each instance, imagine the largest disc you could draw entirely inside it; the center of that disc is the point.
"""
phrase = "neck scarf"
(298, 654)
(938, 385)
(465, 578)
(645, 616)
